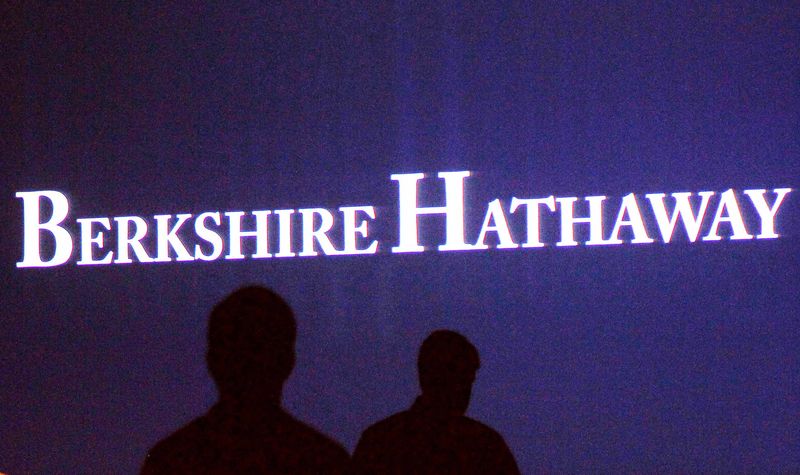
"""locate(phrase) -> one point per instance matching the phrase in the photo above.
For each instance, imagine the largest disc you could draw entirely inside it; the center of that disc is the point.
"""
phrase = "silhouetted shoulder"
(321, 450)
(410, 442)
(221, 445)
(181, 451)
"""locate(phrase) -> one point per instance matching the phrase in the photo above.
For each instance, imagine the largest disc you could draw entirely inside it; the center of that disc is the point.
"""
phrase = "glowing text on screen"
(262, 234)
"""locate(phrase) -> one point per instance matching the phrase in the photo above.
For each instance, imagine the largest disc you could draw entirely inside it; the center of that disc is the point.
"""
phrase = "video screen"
(597, 202)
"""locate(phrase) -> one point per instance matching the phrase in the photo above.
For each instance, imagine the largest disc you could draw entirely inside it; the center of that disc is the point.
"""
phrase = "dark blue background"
(672, 357)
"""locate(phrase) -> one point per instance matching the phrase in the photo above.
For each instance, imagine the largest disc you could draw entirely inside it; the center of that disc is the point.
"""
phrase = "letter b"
(31, 253)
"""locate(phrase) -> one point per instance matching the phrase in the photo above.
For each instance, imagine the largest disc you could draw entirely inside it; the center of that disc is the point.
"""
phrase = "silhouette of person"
(251, 336)
(434, 436)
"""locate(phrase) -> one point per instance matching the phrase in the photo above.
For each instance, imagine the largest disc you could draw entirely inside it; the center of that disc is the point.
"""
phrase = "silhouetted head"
(251, 337)
(447, 365)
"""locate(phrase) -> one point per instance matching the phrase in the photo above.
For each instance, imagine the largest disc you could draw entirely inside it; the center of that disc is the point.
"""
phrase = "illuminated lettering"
(320, 234)
(346, 230)
(166, 238)
(683, 209)
(532, 217)
(88, 240)
(494, 213)
(568, 221)
(33, 227)
(285, 233)
(453, 211)
(729, 206)
(126, 241)
(630, 207)
(209, 236)
(765, 212)
(236, 234)
(351, 230)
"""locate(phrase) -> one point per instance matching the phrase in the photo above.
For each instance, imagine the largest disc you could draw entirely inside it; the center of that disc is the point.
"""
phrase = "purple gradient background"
(654, 358)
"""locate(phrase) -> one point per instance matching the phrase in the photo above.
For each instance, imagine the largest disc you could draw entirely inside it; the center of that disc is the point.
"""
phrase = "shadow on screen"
(434, 435)
(251, 352)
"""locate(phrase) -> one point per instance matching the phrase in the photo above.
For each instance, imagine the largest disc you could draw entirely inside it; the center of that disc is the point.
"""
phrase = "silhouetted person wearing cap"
(434, 436)
(251, 337)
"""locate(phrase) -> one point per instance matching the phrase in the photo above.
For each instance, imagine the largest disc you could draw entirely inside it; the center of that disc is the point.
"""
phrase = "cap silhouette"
(434, 436)
(251, 353)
